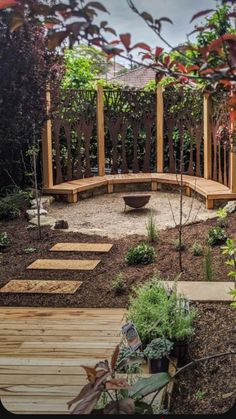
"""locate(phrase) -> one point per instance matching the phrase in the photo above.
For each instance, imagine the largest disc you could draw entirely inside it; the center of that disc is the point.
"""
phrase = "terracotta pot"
(158, 365)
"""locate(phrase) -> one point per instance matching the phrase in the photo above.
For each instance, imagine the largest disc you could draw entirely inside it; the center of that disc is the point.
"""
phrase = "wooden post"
(100, 132)
(232, 173)
(47, 147)
(159, 131)
(207, 137)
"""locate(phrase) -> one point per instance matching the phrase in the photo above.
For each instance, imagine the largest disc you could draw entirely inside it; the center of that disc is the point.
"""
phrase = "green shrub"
(177, 245)
(12, 205)
(151, 229)
(8, 211)
(158, 348)
(4, 241)
(118, 284)
(207, 264)
(159, 312)
(142, 254)
(222, 217)
(216, 235)
(136, 357)
(197, 249)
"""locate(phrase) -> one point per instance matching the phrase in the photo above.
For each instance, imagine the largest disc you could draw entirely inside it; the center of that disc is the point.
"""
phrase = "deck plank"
(40, 376)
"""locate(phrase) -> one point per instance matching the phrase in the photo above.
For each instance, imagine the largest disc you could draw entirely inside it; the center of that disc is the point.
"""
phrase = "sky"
(123, 20)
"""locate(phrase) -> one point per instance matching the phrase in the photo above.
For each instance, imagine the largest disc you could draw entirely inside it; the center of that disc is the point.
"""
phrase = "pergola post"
(100, 132)
(232, 173)
(159, 130)
(47, 146)
(207, 136)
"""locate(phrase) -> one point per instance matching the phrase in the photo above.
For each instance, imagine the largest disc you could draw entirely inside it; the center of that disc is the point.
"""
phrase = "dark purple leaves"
(97, 6)
(202, 13)
(126, 40)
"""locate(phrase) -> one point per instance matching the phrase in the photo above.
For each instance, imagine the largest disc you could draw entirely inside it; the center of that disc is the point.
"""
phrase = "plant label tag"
(130, 332)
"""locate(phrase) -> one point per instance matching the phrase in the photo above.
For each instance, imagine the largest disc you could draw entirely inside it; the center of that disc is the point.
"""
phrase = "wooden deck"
(209, 189)
(42, 350)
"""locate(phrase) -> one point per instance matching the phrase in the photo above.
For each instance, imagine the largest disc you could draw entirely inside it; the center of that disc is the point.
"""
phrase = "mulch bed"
(96, 290)
(207, 388)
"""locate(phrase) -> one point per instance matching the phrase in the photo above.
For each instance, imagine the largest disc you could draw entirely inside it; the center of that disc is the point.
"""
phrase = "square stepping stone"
(64, 264)
(81, 247)
(203, 290)
(41, 286)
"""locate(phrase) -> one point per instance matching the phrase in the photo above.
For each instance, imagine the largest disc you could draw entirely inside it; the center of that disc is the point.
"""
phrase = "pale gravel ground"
(104, 214)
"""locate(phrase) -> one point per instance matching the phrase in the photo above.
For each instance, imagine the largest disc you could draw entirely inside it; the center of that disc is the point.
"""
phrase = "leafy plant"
(29, 250)
(13, 203)
(207, 264)
(158, 348)
(118, 284)
(160, 312)
(216, 235)
(4, 240)
(151, 229)
(229, 249)
(179, 247)
(200, 394)
(132, 367)
(233, 293)
(197, 249)
(124, 398)
(222, 217)
(142, 254)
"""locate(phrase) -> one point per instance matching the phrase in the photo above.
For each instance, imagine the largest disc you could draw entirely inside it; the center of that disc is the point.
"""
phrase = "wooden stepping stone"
(64, 264)
(81, 247)
(204, 291)
(41, 286)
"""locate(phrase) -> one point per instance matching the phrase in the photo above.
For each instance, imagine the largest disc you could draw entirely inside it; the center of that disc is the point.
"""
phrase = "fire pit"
(136, 201)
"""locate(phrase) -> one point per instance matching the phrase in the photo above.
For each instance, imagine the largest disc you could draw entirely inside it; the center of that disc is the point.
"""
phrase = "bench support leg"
(72, 198)
(188, 191)
(209, 203)
(110, 188)
(154, 186)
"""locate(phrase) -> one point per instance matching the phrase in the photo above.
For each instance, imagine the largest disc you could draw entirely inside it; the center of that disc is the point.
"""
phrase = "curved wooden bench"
(209, 189)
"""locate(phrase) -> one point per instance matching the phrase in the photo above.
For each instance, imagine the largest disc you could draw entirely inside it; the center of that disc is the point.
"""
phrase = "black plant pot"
(158, 365)
(180, 349)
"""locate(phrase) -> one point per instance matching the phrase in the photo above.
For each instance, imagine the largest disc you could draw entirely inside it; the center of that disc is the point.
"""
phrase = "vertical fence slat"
(159, 130)
(207, 137)
(47, 146)
(100, 131)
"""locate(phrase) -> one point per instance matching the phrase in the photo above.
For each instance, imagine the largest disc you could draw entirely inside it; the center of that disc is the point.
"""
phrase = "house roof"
(136, 78)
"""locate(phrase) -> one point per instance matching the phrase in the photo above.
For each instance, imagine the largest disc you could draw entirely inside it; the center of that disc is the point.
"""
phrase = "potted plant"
(157, 352)
(158, 312)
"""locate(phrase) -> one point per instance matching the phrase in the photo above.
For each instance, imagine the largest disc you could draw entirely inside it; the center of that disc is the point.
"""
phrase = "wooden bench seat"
(209, 189)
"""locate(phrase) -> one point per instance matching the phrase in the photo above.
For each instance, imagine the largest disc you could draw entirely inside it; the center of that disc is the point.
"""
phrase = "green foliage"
(216, 235)
(200, 394)
(118, 284)
(229, 249)
(179, 247)
(142, 254)
(159, 312)
(149, 385)
(83, 64)
(133, 367)
(207, 264)
(4, 240)
(151, 229)
(29, 250)
(222, 217)
(197, 249)
(12, 204)
(233, 293)
(158, 348)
